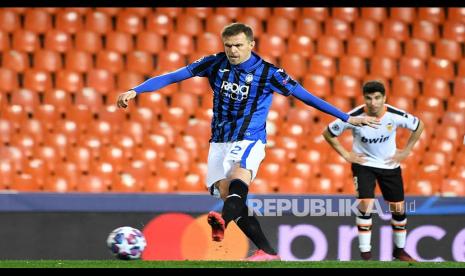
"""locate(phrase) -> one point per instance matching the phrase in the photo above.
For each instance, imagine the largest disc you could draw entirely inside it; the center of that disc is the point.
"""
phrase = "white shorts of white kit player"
(223, 156)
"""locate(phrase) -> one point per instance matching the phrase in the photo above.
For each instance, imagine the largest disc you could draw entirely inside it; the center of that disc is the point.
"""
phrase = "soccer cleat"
(262, 256)
(217, 223)
(400, 255)
(366, 256)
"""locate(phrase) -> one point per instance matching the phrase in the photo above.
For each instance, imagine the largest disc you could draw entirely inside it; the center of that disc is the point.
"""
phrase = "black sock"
(235, 202)
(251, 228)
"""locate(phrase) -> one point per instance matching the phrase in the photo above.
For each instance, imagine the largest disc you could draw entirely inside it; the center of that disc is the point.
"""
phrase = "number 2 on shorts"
(236, 150)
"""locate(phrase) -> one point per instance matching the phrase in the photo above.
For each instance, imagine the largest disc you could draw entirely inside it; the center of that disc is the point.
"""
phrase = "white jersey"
(377, 144)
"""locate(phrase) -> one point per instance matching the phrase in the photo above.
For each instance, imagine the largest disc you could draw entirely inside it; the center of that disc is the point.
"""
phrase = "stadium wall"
(75, 226)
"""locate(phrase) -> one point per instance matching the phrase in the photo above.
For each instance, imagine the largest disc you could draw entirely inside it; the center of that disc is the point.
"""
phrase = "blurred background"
(63, 68)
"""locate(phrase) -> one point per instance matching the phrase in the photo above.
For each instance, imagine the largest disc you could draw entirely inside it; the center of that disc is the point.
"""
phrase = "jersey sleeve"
(282, 83)
(337, 127)
(409, 121)
(201, 67)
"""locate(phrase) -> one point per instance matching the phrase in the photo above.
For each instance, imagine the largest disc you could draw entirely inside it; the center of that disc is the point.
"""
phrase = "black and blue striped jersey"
(242, 95)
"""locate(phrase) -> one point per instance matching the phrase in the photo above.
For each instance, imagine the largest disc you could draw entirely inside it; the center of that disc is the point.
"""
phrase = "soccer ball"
(126, 243)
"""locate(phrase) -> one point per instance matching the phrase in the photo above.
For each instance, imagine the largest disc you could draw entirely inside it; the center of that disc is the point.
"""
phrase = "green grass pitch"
(219, 264)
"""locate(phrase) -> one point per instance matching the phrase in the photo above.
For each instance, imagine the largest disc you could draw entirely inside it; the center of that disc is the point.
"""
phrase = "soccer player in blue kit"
(243, 85)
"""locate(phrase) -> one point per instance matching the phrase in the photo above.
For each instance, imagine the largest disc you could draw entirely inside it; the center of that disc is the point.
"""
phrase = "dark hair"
(373, 86)
(237, 28)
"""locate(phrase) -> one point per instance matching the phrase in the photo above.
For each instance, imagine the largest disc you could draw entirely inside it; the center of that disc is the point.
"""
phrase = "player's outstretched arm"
(308, 98)
(153, 84)
(349, 156)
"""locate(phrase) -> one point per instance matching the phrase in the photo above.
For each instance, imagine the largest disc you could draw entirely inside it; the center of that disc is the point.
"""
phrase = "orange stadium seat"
(417, 48)
(308, 27)
(254, 22)
(330, 46)
(6, 173)
(8, 80)
(353, 66)
(25, 40)
(91, 184)
(196, 85)
(48, 114)
(50, 156)
(171, 169)
(395, 29)
(169, 60)
(160, 23)
(425, 103)
(129, 22)
(47, 60)
(187, 101)
(119, 41)
(126, 80)
(109, 60)
(281, 104)
(388, 47)
(293, 185)
(271, 45)
(280, 26)
(454, 118)
(176, 117)
(98, 22)
(90, 98)
(18, 61)
(37, 80)
(262, 13)
(346, 86)
(401, 101)
(215, 23)
(295, 65)
(35, 129)
(160, 184)
(346, 14)
(9, 21)
(88, 41)
(323, 65)
(376, 14)
(337, 28)
(461, 69)
(360, 47)
(135, 130)
(366, 28)
(103, 129)
(109, 11)
(140, 11)
(276, 155)
(407, 15)
(149, 41)
(230, 12)
(157, 142)
(456, 104)
(425, 30)
(452, 187)
(434, 15)
(112, 115)
(16, 114)
(191, 183)
(26, 98)
(405, 86)
(459, 87)
(189, 24)
(80, 11)
(209, 43)
(456, 14)
(25, 183)
(291, 13)
(25, 143)
(37, 21)
(69, 21)
(181, 43)
(101, 80)
(319, 14)
(140, 62)
(78, 61)
(58, 98)
(440, 68)
(412, 67)
(150, 156)
(70, 81)
(436, 87)
(454, 31)
(155, 101)
(56, 40)
(383, 66)
(301, 45)
(318, 85)
(57, 184)
(448, 49)
(200, 12)
(4, 41)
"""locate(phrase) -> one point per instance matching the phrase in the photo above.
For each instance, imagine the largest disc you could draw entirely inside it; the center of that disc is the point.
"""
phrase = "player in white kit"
(375, 157)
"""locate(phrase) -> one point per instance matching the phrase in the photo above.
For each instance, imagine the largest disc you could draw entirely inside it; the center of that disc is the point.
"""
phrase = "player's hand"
(124, 98)
(398, 157)
(364, 121)
(353, 157)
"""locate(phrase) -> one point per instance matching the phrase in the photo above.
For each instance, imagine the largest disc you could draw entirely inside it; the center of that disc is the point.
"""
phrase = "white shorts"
(222, 156)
